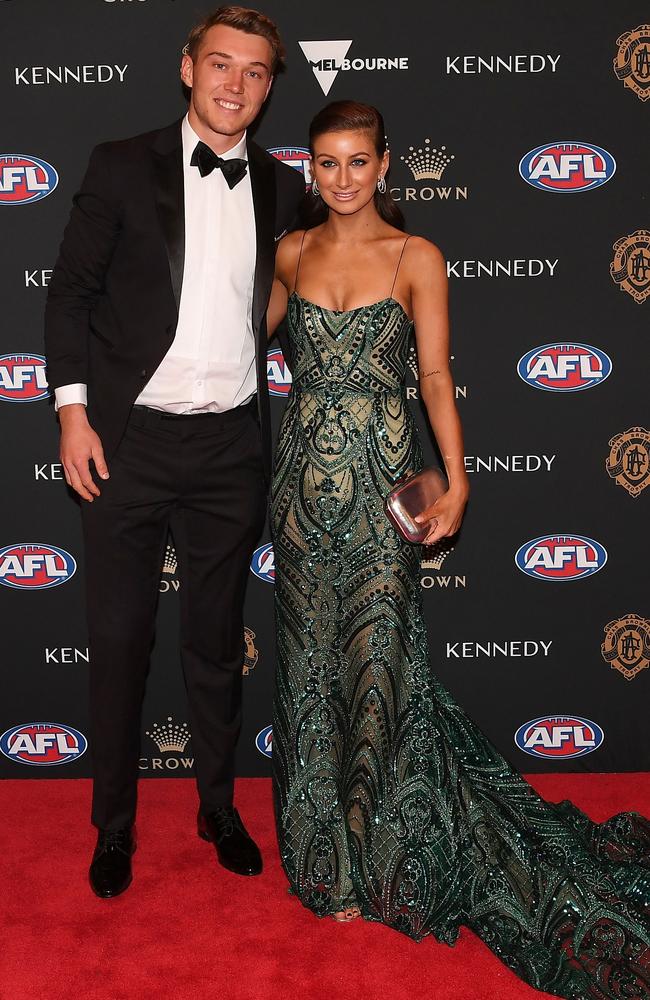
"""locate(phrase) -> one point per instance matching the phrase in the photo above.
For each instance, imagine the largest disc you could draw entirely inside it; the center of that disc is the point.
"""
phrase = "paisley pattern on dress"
(387, 796)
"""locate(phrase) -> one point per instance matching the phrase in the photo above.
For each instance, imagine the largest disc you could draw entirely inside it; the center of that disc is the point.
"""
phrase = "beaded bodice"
(356, 350)
(349, 391)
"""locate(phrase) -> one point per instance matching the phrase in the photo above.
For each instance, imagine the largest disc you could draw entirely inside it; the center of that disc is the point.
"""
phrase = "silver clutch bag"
(410, 497)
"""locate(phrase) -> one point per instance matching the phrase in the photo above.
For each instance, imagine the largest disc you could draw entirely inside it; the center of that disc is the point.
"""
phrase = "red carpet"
(188, 930)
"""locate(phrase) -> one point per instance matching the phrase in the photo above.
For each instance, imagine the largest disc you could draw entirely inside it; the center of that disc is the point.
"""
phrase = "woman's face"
(347, 168)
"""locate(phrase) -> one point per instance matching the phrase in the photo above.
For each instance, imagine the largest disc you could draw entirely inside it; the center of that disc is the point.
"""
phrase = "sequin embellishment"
(387, 796)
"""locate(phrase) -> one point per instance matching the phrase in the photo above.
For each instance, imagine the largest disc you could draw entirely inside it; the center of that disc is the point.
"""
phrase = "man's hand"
(80, 444)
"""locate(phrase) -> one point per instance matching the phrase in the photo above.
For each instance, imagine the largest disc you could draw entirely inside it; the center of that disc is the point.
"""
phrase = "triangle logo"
(325, 58)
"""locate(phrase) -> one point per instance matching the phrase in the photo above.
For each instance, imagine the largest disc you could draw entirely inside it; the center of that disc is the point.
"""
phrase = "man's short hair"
(243, 19)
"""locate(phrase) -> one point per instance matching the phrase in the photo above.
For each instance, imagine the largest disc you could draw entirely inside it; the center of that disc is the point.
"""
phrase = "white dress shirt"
(210, 366)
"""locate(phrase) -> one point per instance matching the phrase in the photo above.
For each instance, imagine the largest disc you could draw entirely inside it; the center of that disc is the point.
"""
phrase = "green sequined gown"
(387, 795)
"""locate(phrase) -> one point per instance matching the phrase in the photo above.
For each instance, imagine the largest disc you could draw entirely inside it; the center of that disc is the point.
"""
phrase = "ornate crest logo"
(251, 654)
(630, 268)
(632, 62)
(170, 738)
(629, 460)
(627, 645)
(428, 163)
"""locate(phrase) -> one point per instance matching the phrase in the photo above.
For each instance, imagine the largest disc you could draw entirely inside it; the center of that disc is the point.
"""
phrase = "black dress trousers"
(201, 476)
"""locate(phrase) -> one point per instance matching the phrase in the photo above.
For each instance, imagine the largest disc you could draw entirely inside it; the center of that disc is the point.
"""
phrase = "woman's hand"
(445, 515)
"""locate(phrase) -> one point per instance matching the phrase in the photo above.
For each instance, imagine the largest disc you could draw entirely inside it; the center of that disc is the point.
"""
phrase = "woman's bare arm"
(286, 260)
(428, 278)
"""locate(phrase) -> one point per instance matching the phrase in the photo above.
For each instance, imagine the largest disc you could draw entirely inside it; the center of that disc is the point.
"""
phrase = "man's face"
(230, 80)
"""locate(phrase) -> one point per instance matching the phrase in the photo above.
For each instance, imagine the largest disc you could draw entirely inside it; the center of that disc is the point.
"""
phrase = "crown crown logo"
(170, 562)
(170, 737)
(412, 361)
(434, 555)
(428, 163)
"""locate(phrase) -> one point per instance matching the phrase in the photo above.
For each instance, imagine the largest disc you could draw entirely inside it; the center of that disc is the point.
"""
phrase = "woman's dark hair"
(350, 116)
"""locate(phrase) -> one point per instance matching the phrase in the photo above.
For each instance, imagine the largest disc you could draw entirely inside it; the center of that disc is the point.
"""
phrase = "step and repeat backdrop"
(518, 143)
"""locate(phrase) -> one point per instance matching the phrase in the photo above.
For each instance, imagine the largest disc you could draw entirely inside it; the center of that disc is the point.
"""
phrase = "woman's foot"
(346, 915)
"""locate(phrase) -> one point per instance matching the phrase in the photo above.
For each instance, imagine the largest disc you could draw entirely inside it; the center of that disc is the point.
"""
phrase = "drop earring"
(315, 190)
(381, 185)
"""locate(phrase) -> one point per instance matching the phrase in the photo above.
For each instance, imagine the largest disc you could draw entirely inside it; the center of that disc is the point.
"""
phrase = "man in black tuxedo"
(156, 343)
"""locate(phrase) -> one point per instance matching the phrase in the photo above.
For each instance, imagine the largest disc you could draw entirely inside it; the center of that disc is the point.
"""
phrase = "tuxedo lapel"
(263, 189)
(167, 156)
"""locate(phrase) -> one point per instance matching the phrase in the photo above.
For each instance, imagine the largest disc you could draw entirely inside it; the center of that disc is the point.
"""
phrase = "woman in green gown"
(390, 803)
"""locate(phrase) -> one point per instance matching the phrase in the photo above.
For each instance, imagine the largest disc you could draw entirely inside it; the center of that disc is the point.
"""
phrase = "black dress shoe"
(110, 870)
(236, 849)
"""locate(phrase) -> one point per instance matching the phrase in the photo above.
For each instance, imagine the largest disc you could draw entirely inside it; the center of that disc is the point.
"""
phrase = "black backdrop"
(528, 268)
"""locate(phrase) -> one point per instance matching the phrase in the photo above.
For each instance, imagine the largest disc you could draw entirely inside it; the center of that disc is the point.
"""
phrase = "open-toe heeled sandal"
(346, 915)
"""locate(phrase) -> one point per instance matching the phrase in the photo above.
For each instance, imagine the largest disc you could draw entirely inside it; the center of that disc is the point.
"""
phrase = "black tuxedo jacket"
(113, 299)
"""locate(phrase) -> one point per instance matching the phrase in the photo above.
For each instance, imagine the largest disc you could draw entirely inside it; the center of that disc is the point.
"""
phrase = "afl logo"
(43, 744)
(560, 558)
(22, 378)
(24, 179)
(35, 567)
(559, 736)
(279, 376)
(263, 563)
(264, 741)
(564, 367)
(567, 167)
(294, 156)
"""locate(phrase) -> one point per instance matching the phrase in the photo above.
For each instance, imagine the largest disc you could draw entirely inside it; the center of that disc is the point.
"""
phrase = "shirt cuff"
(67, 394)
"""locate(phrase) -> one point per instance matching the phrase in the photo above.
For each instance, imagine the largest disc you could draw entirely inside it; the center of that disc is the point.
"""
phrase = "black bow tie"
(204, 158)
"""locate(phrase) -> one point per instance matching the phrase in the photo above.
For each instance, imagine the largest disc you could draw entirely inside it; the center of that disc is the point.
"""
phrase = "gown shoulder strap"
(392, 287)
(295, 280)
